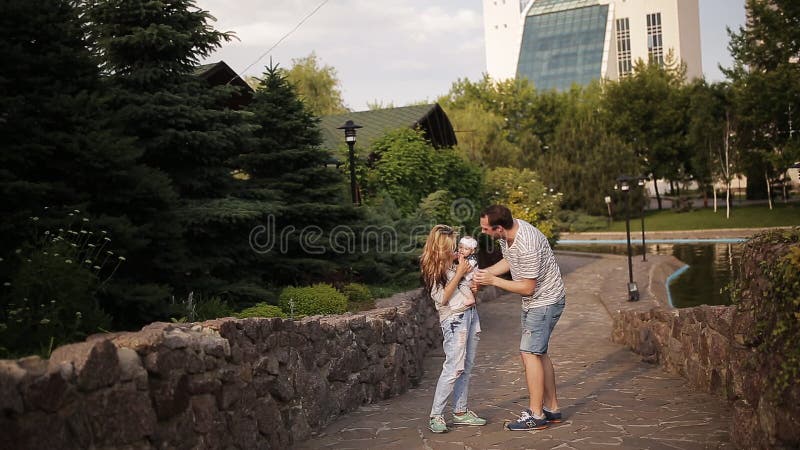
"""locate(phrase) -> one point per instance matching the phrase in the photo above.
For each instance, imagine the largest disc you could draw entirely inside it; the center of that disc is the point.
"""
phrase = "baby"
(463, 298)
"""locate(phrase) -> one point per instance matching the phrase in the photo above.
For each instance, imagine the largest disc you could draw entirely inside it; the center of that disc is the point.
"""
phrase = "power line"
(308, 16)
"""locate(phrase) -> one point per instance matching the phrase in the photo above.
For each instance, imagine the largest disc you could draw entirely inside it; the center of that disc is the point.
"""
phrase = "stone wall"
(226, 383)
(715, 349)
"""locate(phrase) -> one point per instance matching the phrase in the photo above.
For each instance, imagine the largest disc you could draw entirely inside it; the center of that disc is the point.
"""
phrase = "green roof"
(377, 123)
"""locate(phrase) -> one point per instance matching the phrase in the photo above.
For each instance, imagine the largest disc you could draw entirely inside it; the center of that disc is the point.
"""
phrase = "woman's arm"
(451, 286)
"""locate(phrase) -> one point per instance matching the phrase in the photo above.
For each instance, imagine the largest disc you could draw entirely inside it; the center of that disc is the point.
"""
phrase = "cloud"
(403, 49)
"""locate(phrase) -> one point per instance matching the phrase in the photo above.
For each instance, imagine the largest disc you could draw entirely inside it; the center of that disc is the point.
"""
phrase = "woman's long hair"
(437, 256)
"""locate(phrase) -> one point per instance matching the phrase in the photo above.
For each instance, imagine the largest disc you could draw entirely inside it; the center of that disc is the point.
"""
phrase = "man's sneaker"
(468, 418)
(438, 425)
(527, 422)
(554, 417)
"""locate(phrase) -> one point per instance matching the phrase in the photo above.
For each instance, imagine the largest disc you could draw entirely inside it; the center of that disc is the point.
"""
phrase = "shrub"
(50, 296)
(213, 308)
(261, 310)
(357, 293)
(312, 300)
(767, 286)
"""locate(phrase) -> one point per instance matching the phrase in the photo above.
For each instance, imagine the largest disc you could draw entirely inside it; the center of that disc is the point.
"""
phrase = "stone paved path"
(610, 398)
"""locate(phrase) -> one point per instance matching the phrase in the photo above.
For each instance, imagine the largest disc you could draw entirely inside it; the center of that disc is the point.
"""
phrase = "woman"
(460, 326)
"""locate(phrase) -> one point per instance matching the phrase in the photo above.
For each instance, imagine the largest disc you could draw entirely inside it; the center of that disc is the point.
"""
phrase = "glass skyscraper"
(562, 43)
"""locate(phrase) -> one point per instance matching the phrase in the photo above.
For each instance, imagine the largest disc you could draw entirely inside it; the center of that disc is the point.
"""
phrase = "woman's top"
(456, 303)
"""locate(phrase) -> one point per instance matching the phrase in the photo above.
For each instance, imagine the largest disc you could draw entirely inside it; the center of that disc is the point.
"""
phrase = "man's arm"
(499, 268)
(524, 287)
(489, 277)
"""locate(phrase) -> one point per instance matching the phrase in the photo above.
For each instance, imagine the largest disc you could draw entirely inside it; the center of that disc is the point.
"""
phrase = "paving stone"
(609, 397)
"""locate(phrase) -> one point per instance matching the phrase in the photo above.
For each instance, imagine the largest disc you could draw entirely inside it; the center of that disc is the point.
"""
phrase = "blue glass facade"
(563, 47)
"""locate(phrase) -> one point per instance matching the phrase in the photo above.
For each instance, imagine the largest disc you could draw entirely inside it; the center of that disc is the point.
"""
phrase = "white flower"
(44, 321)
(68, 261)
(122, 258)
(87, 261)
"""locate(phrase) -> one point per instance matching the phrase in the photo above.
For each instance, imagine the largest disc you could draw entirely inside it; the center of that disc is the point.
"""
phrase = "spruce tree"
(62, 152)
(287, 158)
(150, 50)
(46, 78)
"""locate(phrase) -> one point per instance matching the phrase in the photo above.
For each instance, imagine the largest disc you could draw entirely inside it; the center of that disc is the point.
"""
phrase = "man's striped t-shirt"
(531, 257)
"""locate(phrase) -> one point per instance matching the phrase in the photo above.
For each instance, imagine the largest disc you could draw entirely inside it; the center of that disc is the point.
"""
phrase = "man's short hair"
(498, 215)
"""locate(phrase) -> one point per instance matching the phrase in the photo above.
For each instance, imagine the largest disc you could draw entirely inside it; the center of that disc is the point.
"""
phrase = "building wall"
(504, 27)
(680, 26)
(502, 22)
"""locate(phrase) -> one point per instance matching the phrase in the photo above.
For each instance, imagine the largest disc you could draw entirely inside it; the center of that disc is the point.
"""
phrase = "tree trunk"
(785, 194)
(728, 200)
(658, 196)
(714, 189)
(769, 190)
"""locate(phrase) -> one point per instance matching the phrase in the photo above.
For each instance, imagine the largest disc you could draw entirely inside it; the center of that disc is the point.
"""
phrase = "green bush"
(312, 300)
(50, 299)
(261, 310)
(357, 293)
(213, 308)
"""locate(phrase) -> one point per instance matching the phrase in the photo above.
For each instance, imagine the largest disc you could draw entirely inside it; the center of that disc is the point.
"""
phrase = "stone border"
(246, 383)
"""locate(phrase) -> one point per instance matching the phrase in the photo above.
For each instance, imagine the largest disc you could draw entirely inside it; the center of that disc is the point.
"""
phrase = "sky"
(396, 51)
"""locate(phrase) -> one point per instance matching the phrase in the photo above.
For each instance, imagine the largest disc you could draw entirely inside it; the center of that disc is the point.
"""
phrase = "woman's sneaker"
(527, 422)
(554, 417)
(468, 418)
(437, 424)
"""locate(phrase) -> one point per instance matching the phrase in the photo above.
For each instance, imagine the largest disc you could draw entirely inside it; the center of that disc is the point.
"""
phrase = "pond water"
(705, 282)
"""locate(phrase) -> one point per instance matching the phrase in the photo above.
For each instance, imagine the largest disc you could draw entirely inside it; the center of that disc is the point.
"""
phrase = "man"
(536, 277)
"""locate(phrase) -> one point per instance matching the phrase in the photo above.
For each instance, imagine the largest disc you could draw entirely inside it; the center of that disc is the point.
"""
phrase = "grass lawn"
(752, 216)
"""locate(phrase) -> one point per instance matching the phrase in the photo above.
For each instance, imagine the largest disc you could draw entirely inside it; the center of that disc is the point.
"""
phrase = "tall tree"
(317, 85)
(648, 111)
(710, 135)
(61, 147)
(765, 82)
(149, 50)
(584, 159)
(287, 162)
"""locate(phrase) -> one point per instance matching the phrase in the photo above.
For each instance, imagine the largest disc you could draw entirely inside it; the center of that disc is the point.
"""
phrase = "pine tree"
(288, 159)
(150, 50)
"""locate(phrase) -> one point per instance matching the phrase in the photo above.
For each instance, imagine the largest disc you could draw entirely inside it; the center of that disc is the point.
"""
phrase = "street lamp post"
(350, 128)
(644, 192)
(624, 183)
